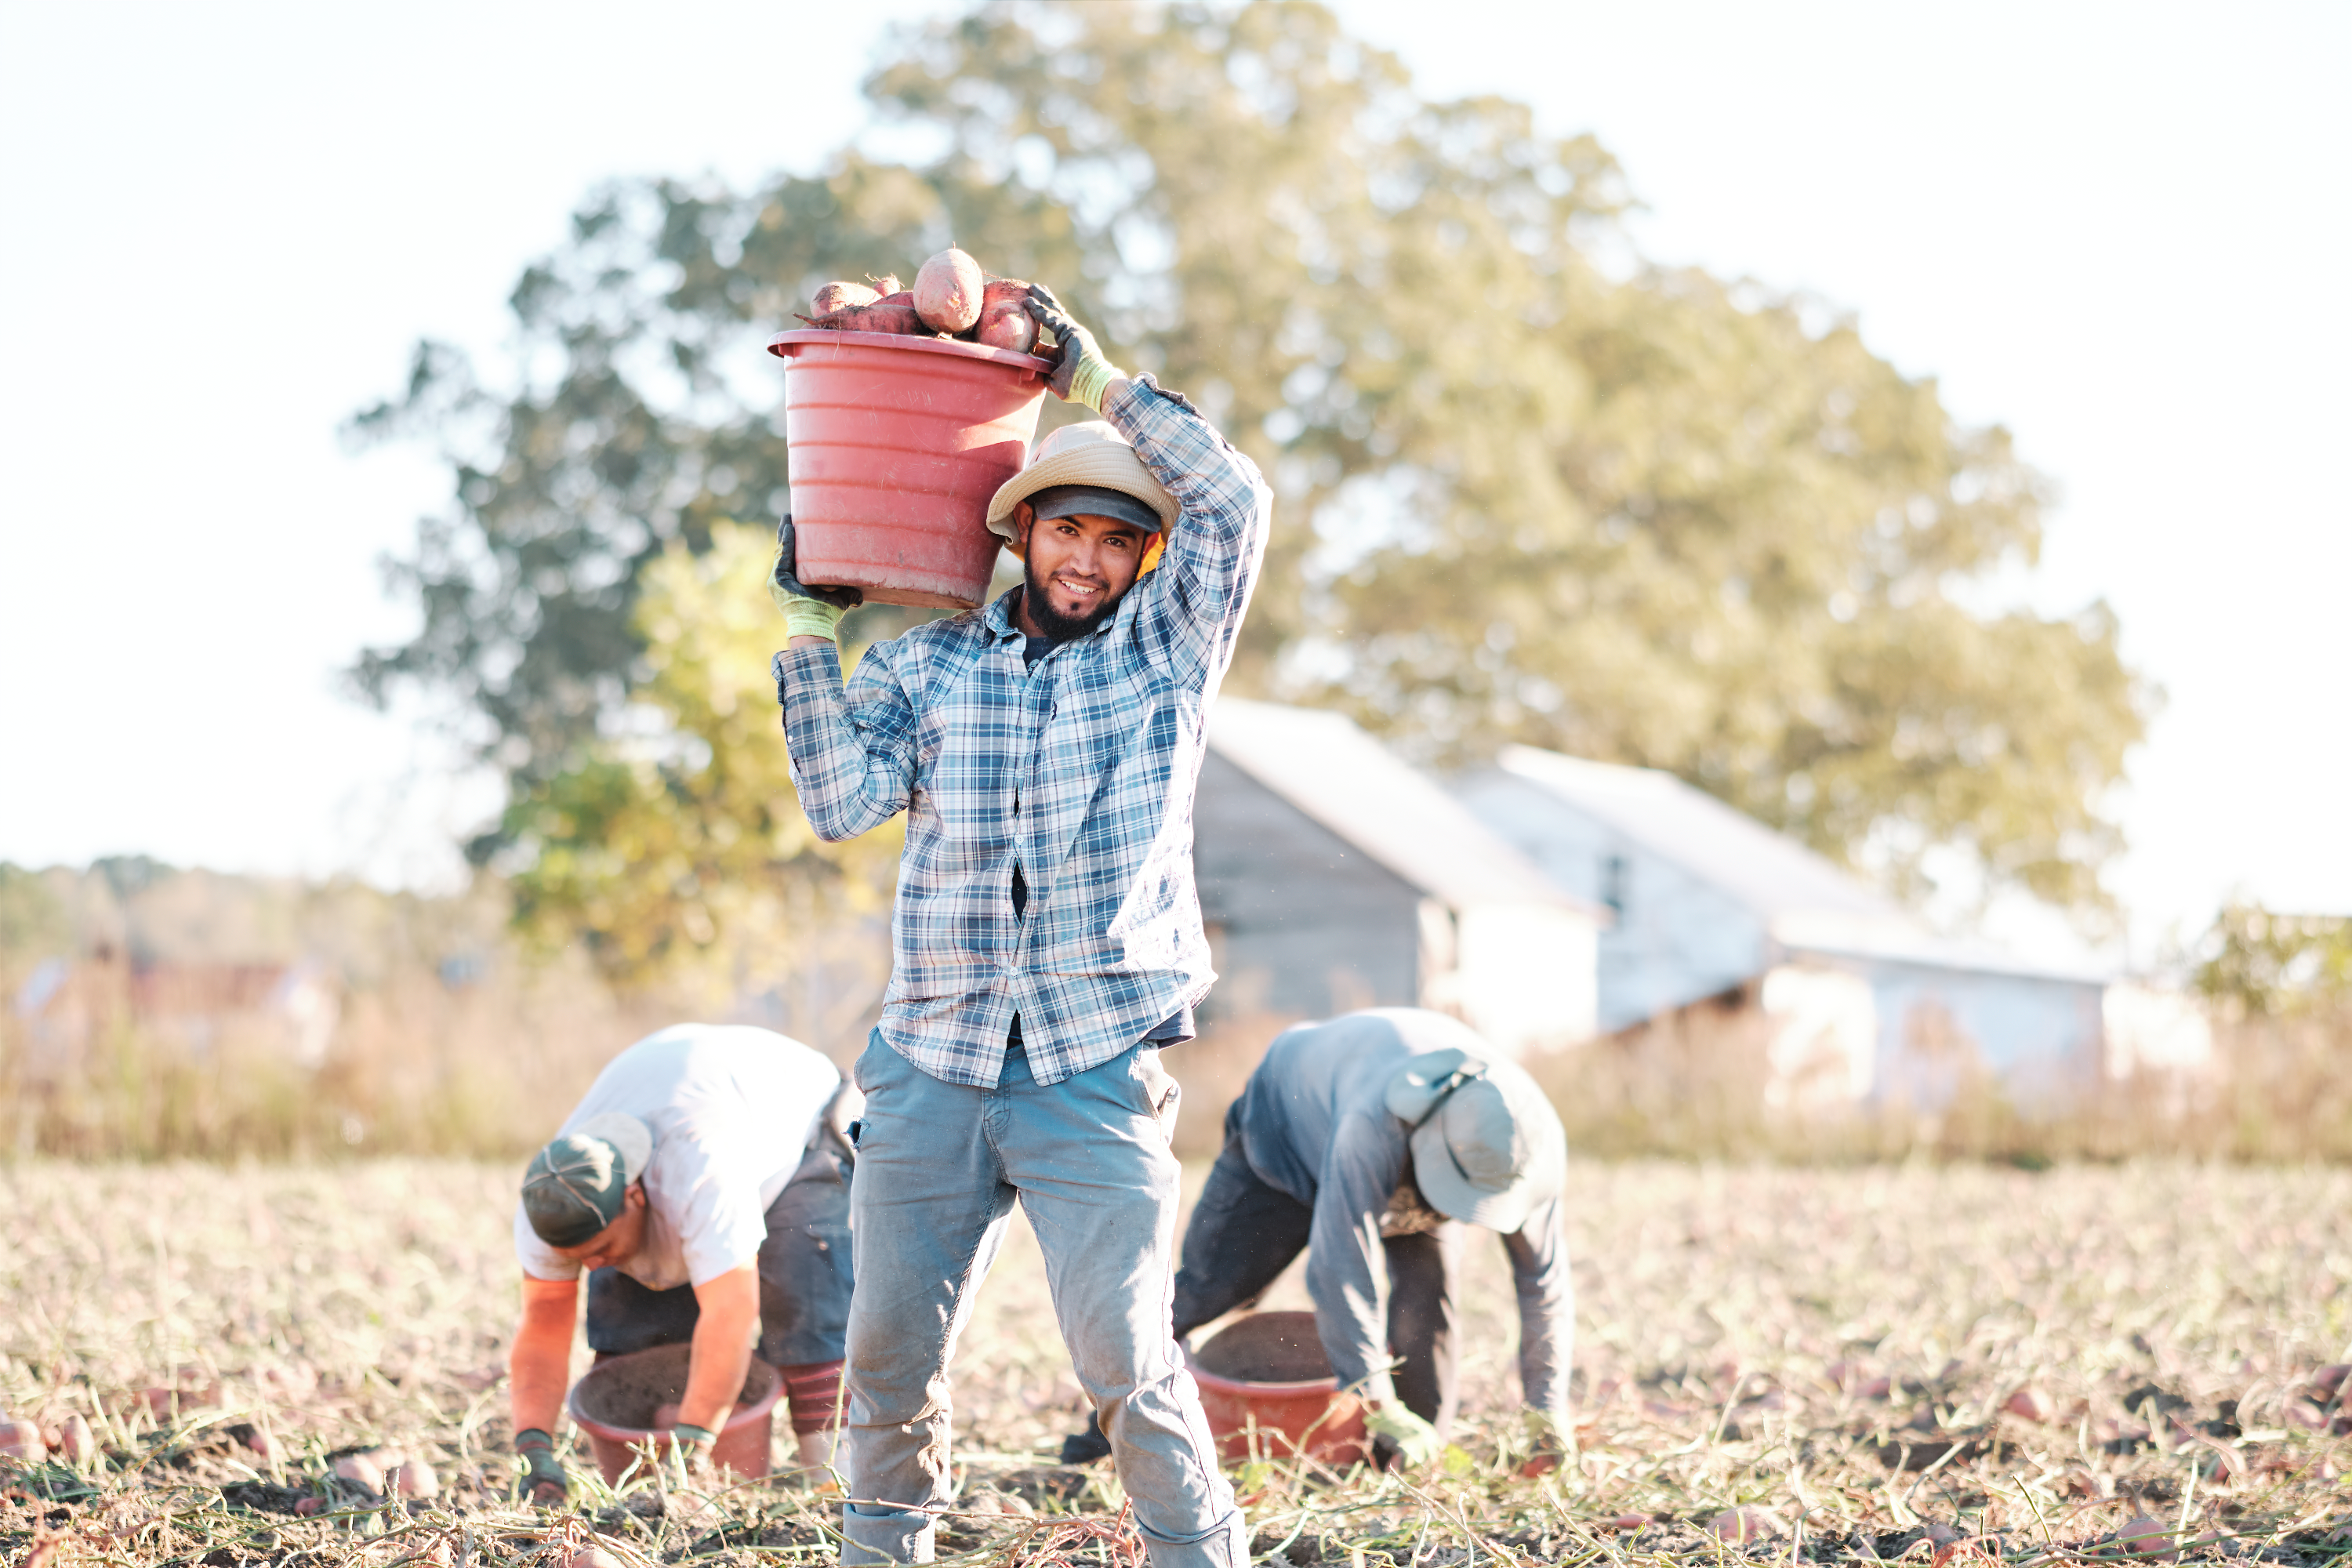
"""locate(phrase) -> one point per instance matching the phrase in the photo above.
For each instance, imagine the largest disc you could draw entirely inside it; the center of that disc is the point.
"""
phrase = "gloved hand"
(1415, 1441)
(693, 1446)
(1080, 372)
(1545, 1446)
(808, 612)
(543, 1480)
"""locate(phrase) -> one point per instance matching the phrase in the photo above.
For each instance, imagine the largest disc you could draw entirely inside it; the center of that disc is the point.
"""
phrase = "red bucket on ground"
(1264, 1379)
(896, 444)
(618, 1401)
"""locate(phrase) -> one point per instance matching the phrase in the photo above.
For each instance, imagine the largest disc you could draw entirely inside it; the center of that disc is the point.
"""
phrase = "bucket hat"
(1092, 454)
(1486, 1145)
(579, 1183)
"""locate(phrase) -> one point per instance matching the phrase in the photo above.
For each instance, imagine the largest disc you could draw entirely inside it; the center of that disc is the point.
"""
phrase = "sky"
(2122, 231)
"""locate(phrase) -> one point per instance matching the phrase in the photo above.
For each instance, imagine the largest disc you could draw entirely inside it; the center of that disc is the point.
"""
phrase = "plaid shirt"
(1080, 773)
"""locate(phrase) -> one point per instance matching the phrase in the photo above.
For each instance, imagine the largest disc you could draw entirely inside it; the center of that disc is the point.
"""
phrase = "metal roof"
(1806, 901)
(1328, 768)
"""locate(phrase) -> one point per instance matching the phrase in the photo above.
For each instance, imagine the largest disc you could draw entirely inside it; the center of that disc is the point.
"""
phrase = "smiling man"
(702, 1184)
(1048, 940)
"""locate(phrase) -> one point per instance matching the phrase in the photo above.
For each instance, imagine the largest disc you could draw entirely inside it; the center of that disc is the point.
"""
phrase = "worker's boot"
(1085, 1448)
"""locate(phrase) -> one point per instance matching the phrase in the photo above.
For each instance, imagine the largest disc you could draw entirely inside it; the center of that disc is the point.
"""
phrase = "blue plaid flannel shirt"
(1079, 772)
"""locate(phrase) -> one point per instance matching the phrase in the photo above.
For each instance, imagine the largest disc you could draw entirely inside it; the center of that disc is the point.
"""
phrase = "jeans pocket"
(1158, 1089)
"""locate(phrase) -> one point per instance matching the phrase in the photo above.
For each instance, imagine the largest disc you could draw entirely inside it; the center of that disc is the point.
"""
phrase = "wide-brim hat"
(1093, 454)
(1486, 1145)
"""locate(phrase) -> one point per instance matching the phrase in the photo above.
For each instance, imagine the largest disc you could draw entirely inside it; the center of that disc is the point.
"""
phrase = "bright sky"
(2125, 231)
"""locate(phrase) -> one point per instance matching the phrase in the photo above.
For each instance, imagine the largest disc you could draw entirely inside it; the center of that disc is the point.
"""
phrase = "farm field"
(1890, 1363)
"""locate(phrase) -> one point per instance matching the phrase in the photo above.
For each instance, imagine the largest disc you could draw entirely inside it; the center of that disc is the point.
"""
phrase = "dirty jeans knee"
(878, 1536)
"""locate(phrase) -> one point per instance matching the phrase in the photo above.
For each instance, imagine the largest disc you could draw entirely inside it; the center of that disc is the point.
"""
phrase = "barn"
(1333, 876)
(1865, 1000)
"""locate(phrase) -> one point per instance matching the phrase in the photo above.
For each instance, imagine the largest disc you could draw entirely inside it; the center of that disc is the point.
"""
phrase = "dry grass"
(1733, 1321)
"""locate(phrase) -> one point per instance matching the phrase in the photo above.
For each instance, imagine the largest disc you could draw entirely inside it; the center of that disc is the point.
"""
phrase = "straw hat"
(1093, 454)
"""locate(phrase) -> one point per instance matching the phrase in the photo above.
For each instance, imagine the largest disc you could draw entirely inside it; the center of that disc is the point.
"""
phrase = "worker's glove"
(1080, 372)
(1417, 1442)
(692, 1447)
(808, 612)
(543, 1480)
(1544, 1444)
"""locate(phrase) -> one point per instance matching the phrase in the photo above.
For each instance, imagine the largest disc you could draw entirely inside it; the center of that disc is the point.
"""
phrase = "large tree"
(1634, 514)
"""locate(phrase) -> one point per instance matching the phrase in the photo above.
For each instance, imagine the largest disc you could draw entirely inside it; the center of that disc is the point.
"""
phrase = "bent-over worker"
(1370, 1141)
(1046, 939)
(703, 1184)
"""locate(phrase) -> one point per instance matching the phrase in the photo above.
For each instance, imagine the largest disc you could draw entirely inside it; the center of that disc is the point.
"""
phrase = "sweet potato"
(1006, 324)
(839, 295)
(890, 313)
(948, 292)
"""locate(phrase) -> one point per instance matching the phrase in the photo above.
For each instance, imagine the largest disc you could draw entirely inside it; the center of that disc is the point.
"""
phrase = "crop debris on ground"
(1940, 1366)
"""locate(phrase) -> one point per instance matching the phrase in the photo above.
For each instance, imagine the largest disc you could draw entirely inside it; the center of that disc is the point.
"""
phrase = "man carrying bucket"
(1048, 940)
(1370, 1141)
(703, 1183)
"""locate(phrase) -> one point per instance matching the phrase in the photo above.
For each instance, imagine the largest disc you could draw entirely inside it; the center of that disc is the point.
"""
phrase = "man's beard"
(1051, 621)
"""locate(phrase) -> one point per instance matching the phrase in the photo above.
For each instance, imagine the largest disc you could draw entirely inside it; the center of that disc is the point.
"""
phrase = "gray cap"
(1095, 501)
(1487, 1144)
(579, 1183)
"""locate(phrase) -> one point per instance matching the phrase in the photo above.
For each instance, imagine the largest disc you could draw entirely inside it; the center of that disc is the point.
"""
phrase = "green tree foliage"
(1530, 489)
(2261, 963)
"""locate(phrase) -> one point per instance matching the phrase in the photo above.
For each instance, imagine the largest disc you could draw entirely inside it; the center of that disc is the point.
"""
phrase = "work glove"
(808, 612)
(1080, 372)
(543, 1480)
(692, 1446)
(1545, 1447)
(1417, 1442)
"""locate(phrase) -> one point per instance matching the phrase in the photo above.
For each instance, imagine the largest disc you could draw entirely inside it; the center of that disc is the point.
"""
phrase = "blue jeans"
(939, 1166)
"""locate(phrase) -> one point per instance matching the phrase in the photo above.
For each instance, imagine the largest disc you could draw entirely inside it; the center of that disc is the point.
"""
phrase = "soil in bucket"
(618, 1403)
(1265, 1376)
(895, 445)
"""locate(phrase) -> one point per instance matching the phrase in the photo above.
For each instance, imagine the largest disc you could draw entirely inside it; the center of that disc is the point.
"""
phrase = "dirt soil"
(1931, 1366)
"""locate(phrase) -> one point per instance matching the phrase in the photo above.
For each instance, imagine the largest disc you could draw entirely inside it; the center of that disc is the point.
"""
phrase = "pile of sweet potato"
(952, 298)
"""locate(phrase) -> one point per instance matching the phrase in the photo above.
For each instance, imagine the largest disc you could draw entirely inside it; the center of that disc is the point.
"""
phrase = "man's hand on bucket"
(808, 612)
(543, 1480)
(1417, 1442)
(1080, 372)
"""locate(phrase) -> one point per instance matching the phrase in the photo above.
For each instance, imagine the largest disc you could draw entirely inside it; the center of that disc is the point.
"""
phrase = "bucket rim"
(782, 344)
(743, 1414)
(1327, 1384)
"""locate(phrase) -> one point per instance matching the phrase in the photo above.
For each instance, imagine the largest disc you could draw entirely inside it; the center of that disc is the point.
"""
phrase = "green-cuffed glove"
(692, 1446)
(1080, 372)
(808, 612)
(1546, 1444)
(543, 1480)
(1415, 1441)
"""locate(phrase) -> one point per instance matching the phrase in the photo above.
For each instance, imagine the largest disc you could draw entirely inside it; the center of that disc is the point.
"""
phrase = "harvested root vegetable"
(890, 313)
(414, 1478)
(1740, 1525)
(2145, 1537)
(22, 1440)
(360, 1471)
(1006, 324)
(949, 291)
(840, 296)
(592, 1557)
(305, 1507)
(76, 1441)
(2032, 1405)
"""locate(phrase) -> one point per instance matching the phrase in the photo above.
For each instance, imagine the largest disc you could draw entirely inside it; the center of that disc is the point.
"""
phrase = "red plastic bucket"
(896, 444)
(1266, 1378)
(616, 1400)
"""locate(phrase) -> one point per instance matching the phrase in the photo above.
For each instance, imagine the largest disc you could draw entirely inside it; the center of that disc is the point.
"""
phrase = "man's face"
(617, 1242)
(1077, 569)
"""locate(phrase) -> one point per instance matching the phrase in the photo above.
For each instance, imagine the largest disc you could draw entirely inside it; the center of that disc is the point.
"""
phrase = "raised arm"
(852, 749)
(1190, 609)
